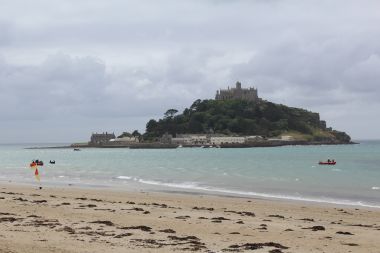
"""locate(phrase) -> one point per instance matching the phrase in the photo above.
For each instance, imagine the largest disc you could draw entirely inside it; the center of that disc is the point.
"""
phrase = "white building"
(226, 139)
(287, 138)
(181, 140)
(131, 139)
(190, 139)
(282, 138)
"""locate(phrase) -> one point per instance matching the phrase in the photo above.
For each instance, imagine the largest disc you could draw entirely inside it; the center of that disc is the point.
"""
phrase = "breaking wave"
(124, 177)
(196, 186)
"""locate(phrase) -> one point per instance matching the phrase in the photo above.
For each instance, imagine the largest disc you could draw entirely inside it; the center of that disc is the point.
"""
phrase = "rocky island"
(237, 117)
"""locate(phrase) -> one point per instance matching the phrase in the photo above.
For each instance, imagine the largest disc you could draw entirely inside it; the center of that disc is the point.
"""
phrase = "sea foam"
(124, 177)
(196, 186)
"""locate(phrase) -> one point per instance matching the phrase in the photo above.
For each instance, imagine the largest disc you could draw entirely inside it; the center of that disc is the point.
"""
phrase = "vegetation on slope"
(238, 117)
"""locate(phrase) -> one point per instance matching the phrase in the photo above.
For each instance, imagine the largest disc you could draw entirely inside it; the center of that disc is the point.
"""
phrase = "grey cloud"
(114, 63)
(64, 85)
(55, 86)
(5, 34)
(315, 72)
(364, 76)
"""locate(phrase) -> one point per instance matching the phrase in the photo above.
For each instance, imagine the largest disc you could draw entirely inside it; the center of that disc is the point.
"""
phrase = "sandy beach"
(103, 220)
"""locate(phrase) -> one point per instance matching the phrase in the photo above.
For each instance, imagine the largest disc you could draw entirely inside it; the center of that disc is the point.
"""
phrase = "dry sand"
(100, 220)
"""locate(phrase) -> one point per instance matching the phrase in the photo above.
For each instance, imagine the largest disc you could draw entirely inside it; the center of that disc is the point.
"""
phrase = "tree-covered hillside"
(238, 117)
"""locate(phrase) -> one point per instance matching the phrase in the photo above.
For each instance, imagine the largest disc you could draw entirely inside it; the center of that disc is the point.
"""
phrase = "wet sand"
(102, 220)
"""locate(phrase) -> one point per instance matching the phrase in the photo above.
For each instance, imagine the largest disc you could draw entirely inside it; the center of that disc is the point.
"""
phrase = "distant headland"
(237, 117)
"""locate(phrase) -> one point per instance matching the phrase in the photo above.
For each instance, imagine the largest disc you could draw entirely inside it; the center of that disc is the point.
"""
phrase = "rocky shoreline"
(157, 145)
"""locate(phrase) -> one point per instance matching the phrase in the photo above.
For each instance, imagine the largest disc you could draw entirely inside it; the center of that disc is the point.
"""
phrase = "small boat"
(36, 162)
(327, 163)
(76, 149)
(52, 162)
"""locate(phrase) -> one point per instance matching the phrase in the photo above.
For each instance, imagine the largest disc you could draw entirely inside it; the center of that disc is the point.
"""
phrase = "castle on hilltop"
(249, 94)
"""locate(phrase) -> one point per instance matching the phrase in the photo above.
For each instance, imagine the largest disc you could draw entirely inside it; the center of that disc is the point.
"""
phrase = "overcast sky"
(70, 68)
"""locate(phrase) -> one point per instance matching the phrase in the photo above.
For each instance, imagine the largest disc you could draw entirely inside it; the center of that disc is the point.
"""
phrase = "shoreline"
(174, 146)
(69, 219)
(225, 193)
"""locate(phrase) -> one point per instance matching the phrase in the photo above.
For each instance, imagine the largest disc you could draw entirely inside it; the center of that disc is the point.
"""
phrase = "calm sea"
(279, 172)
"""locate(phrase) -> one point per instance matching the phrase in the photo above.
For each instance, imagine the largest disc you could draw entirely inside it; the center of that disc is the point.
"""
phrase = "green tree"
(195, 105)
(170, 113)
(125, 134)
(136, 133)
(243, 118)
(151, 126)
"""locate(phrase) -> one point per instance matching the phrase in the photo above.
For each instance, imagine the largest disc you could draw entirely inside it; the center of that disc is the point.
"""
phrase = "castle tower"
(238, 92)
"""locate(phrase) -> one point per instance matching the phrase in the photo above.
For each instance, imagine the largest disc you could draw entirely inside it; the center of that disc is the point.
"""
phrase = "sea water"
(289, 172)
